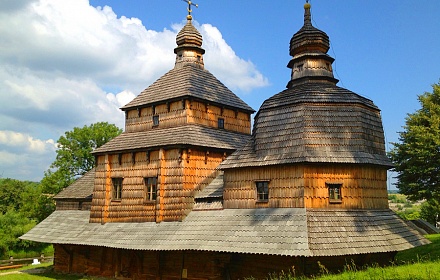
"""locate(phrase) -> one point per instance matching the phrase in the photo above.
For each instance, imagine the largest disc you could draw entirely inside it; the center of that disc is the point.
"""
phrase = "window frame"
(151, 189)
(221, 123)
(156, 120)
(117, 185)
(334, 192)
(262, 190)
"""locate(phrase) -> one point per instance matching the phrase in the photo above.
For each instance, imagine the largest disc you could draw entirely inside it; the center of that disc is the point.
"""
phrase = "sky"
(71, 63)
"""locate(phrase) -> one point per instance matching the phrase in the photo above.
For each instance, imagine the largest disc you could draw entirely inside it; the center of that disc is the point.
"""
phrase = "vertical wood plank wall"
(363, 187)
(187, 111)
(180, 172)
(286, 187)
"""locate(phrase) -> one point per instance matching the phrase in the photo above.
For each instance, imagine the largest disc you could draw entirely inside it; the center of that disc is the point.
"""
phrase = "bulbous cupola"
(189, 46)
(309, 47)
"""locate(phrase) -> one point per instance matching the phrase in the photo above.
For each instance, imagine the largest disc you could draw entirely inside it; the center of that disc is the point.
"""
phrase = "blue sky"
(75, 62)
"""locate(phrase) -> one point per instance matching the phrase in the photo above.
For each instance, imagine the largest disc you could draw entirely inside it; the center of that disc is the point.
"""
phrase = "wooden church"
(188, 192)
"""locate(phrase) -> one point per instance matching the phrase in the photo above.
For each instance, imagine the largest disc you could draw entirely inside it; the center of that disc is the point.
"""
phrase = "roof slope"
(188, 81)
(276, 231)
(189, 134)
(80, 189)
(316, 123)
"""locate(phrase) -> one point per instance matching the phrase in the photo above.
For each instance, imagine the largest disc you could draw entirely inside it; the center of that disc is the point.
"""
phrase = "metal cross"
(189, 6)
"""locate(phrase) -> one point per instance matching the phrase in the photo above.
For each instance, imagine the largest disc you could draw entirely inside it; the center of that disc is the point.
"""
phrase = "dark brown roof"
(194, 135)
(315, 123)
(82, 188)
(188, 81)
(271, 231)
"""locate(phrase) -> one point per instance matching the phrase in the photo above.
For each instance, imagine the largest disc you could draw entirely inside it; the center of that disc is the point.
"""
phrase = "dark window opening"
(150, 188)
(221, 123)
(155, 120)
(334, 192)
(117, 188)
(262, 191)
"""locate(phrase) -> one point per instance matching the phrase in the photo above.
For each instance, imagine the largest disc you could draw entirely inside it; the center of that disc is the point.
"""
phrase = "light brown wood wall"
(183, 112)
(363, 187)
(286, 188)
(180, 172)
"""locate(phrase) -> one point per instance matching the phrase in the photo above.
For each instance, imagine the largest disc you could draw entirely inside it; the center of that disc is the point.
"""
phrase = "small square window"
(117, 188)
(334, 192)
(262, 190)
(155, 120)
(221, 123)
(150, 188)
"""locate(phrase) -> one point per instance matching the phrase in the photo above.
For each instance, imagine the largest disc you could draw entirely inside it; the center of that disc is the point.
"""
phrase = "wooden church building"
(188, 191)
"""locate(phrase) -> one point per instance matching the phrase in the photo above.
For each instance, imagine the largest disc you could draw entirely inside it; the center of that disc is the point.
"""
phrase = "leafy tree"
(74, 156)
(417, 155)
(10, 191)
(429, 211)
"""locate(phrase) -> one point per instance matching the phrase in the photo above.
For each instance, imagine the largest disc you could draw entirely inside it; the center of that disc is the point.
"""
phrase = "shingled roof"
(314, 123)
(274, 231)
(186, 82)
(190, 134)
(82, 188)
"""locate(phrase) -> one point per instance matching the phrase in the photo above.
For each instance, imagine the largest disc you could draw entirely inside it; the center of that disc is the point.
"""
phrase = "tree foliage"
(74, 155)
(417, 155)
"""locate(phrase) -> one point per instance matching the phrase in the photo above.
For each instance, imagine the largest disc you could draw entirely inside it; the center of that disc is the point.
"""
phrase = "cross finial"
(189, 6)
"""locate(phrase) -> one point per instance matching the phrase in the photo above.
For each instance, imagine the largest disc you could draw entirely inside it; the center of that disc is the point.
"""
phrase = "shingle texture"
(277, 231)
(188, 81)
(194, 135)
(80, 189)
(314, 123)
(213, 190)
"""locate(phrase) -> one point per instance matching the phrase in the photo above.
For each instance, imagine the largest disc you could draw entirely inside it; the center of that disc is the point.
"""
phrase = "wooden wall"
(363, 187)
(72, 205)
(187, 111)
(196, 265)
(179, 171)
(286, 187)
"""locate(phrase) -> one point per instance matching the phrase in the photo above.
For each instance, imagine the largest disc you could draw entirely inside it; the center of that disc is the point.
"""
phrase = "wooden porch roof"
(272, 231)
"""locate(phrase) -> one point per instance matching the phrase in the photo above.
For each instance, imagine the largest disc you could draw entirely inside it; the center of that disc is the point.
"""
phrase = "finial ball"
(307, 5)
(189, 17)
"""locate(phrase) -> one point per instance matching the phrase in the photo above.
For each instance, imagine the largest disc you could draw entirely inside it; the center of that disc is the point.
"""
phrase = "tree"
(417, 156)
(430, 211)
(74, 159)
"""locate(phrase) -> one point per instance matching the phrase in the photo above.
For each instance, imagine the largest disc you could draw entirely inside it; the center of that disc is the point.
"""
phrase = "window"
(221, 123)
(155, 120)
(262, 190)
(150, 188)
(117, 188)
(334, 192)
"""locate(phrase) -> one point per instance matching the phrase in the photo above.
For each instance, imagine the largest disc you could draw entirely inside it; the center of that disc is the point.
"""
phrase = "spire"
(309, 47)
(189, 43)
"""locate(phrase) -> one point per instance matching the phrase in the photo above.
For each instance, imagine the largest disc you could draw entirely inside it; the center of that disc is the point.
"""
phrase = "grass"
(420, 263)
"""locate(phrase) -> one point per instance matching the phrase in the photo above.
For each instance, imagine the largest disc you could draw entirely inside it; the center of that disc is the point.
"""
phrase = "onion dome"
(309, 47)
(189, 45)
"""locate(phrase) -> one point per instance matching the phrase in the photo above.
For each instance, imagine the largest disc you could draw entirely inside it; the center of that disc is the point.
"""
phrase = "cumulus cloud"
(65, 64)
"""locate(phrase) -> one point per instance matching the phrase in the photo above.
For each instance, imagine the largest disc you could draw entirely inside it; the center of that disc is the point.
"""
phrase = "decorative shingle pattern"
(81, 188)
(188, 81)
(276, 231)
(336, 232)
(316, 123)
(194, 135)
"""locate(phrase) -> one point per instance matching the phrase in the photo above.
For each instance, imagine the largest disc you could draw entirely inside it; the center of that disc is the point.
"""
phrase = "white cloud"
(66, 64)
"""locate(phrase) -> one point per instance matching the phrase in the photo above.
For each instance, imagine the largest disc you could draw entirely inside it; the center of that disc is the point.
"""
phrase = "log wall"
(195, 265)
(187, 111)
(363, 187)
(179, 171)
